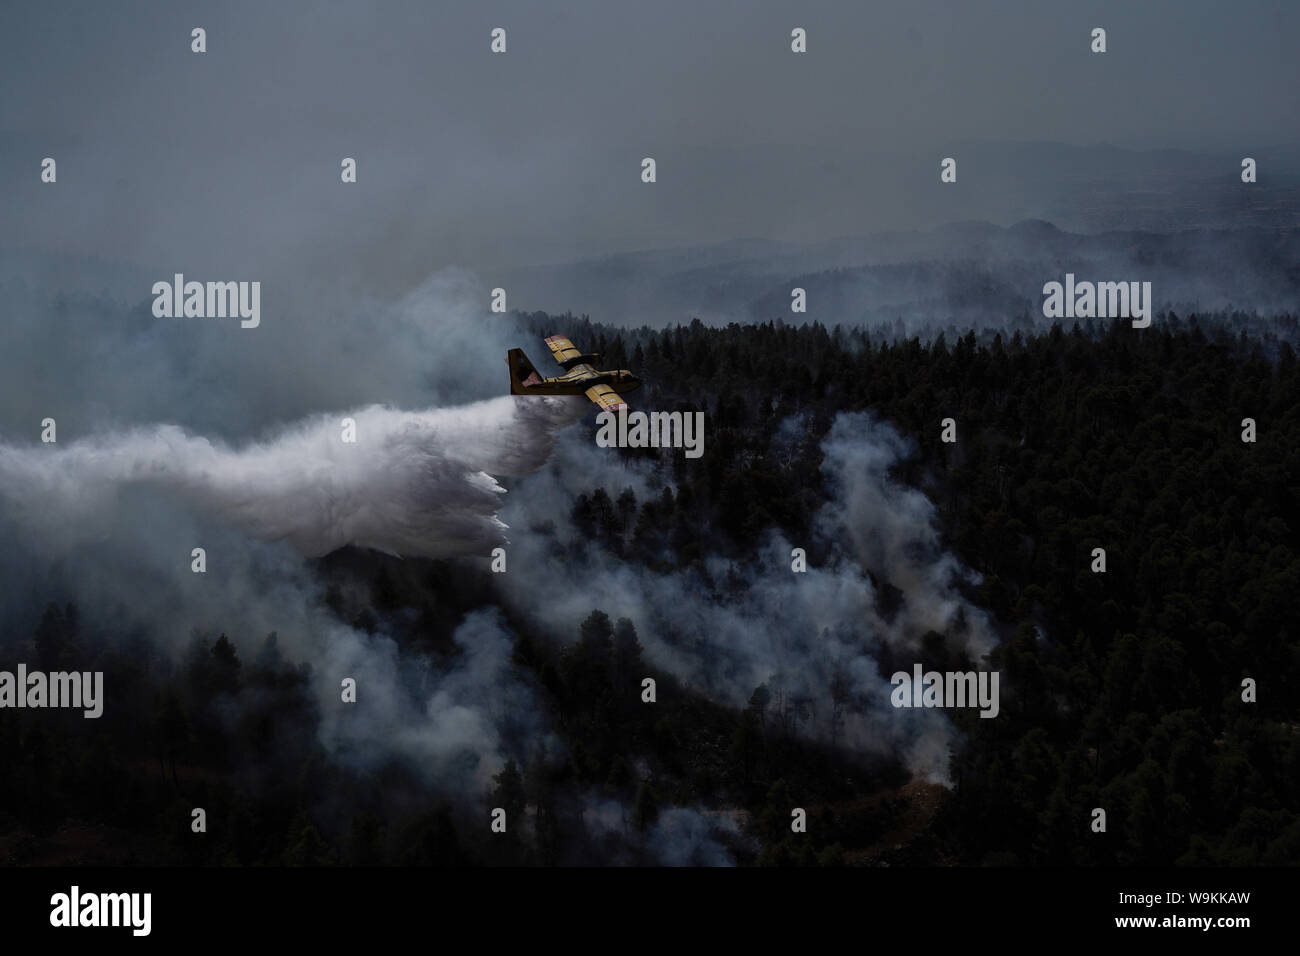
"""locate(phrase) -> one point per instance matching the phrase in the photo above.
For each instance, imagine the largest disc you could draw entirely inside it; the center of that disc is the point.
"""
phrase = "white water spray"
(411, 484)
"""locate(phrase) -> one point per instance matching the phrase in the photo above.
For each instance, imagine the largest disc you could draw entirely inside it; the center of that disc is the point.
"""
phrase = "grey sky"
(229, 161)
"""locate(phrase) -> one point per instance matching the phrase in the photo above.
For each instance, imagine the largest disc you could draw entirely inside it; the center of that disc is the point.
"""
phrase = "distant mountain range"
(968, 273)
(974, 251)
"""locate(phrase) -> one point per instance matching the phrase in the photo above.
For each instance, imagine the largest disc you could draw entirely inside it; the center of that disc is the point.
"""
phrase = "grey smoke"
(961, 275)
(228, 161)
(117, 503)
(456, 722)
(789, 631)
(250, 468)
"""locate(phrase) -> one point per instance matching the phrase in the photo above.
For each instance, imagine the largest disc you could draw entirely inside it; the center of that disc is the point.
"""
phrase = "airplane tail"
(522, 373)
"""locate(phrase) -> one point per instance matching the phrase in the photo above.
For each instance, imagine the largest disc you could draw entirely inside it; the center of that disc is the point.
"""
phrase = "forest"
(1121, 690)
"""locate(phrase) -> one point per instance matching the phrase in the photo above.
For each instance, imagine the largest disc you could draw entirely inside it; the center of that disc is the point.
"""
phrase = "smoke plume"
(727, 627)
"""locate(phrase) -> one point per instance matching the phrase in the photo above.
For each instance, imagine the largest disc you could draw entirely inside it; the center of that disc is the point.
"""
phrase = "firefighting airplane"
(579, 378)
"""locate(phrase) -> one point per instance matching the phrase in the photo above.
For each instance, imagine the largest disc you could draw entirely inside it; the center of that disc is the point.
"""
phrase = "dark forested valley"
(1121, 690)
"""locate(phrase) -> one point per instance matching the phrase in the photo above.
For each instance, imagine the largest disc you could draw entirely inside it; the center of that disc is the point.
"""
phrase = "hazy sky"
(228, 161)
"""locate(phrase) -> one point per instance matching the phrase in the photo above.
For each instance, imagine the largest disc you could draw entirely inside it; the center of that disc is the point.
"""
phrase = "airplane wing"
(606, 398)
(563, 349)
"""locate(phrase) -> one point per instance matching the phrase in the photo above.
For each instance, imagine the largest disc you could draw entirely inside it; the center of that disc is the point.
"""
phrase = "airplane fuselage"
(578, 379)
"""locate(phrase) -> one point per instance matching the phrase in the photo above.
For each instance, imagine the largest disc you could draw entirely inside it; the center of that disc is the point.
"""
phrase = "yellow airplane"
(580, 376)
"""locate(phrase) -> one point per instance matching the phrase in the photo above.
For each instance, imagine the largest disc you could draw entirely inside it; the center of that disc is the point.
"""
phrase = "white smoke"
(411, 484)
(109, 512)
(739, 625)
(890, 530)
(103, 516)
(454, 722)
(425, 484)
